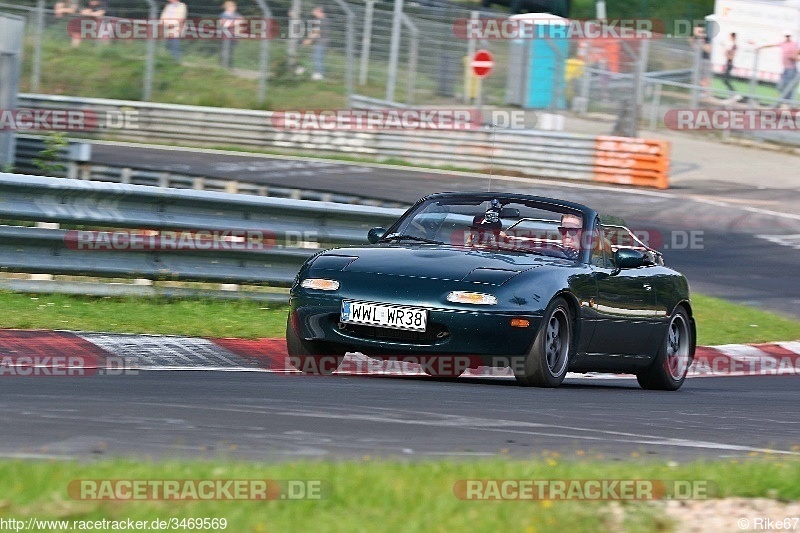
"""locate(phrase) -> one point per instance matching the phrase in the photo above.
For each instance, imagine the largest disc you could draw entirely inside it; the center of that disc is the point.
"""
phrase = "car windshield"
(492, 223)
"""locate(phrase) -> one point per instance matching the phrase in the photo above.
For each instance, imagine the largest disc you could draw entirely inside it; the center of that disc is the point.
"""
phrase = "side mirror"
(509, 212)
(375, 234)
(628, 258)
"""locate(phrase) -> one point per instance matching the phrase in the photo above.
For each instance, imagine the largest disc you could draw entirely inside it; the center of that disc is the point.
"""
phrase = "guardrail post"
(44, 277)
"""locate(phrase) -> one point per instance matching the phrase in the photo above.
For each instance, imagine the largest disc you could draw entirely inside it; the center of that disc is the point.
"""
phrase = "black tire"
(309, 357)
(670, 366)
(546, 363)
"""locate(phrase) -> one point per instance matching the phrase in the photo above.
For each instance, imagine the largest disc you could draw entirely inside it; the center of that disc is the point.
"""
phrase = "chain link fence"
(626, 84)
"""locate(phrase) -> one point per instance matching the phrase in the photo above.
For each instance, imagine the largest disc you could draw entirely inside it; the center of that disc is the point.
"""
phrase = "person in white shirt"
(172, 18)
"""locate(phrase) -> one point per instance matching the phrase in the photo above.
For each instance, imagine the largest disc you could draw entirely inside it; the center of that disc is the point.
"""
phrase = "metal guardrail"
(74, 162)
(536, 153)
(292, 230)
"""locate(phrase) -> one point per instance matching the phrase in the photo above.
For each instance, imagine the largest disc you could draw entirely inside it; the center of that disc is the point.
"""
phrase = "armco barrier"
(30, 146)
(638, 162)
(294, 230)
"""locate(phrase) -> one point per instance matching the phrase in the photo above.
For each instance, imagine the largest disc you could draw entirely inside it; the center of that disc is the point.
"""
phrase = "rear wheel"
(669, 369)
(546, 363)
(309, 357)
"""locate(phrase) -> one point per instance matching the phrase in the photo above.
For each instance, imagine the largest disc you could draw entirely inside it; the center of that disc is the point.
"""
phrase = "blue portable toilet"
(540, 57)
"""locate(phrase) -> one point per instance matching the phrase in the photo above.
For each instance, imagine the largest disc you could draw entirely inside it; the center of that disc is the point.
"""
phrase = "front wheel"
(546, 363)
(669, 369)
(309, 357)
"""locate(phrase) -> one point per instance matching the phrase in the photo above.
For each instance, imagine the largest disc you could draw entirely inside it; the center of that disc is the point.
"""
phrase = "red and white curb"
(116, 352)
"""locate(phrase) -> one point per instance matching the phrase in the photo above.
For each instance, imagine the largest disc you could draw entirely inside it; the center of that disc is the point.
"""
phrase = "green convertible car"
(464, 280)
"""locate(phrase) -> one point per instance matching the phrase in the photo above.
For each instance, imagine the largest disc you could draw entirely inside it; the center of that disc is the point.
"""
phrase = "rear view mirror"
(375, 234)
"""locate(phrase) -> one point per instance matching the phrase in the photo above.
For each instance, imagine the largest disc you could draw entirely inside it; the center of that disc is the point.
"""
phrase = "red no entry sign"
(482, 63)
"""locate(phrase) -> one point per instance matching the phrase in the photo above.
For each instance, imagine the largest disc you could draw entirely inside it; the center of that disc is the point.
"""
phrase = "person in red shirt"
(790, 52)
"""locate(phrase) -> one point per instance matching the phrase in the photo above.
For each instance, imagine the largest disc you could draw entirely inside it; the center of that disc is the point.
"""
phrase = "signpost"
(482, 64)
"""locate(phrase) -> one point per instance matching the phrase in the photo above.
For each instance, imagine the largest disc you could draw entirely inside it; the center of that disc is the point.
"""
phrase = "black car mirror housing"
(375, 234)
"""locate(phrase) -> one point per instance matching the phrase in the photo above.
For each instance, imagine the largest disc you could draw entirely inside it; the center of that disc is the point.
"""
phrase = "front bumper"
(482, 333)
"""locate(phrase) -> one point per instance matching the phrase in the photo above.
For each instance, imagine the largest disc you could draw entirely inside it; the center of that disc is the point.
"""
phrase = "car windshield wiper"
(401, 237)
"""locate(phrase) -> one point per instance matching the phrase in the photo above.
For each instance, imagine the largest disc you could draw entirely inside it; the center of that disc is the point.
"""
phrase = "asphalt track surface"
(746, 240)
(747, 255)
(258, 416)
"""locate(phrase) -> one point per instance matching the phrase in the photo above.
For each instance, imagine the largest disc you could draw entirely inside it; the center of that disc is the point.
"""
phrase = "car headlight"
(320, 284)
(476, 298)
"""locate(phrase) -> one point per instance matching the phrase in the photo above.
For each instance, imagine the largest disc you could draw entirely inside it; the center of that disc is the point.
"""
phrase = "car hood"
(436, 262)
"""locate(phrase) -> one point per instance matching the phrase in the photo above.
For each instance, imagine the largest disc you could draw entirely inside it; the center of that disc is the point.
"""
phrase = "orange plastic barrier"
(632, 161)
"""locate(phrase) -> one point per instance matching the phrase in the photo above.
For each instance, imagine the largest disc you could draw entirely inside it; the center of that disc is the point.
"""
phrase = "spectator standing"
(790, 52)
(228, 20)
(730, 53)
(319, 41)
(172, 19)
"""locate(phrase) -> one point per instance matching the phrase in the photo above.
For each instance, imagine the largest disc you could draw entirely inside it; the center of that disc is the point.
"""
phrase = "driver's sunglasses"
(572, 232)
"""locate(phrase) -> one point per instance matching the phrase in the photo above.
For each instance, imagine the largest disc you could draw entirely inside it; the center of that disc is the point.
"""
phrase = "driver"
(487, 227)
(570, 229)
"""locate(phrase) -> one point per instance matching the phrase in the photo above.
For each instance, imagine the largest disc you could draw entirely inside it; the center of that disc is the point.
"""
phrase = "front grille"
(435, 333)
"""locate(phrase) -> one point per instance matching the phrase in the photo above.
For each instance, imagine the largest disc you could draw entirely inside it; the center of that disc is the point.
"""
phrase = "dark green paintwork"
(619, 322)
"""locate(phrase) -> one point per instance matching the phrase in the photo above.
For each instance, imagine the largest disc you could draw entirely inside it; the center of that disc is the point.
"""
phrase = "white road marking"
(791, 241)
(418, 418)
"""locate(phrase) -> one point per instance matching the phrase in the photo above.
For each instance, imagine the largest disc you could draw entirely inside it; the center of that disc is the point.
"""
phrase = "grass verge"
(718, 321)
(386, 495)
